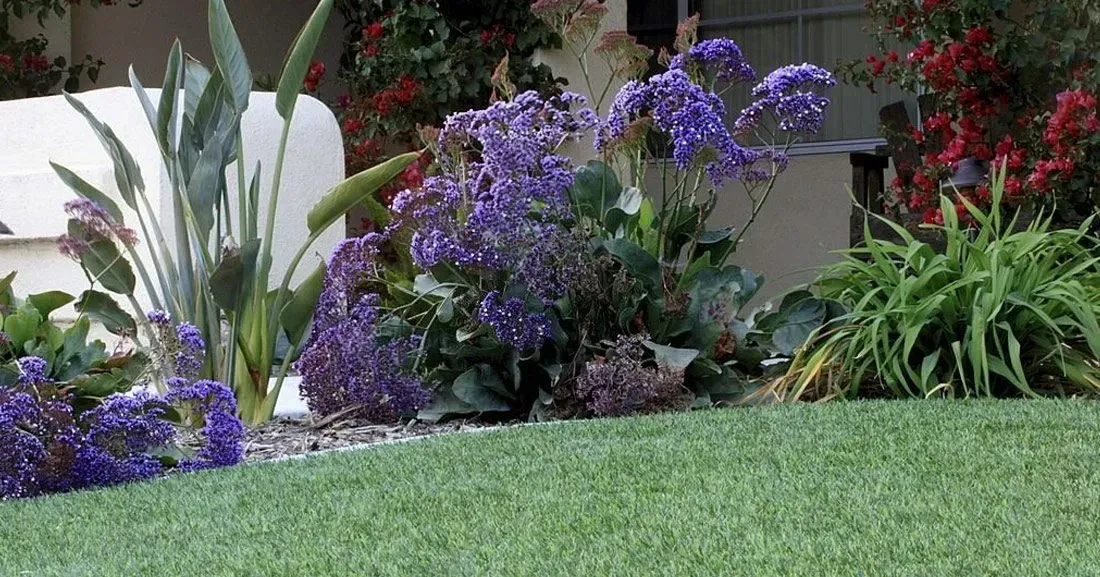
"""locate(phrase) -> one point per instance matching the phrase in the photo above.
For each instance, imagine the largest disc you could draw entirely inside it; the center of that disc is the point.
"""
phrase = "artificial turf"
(870, 488)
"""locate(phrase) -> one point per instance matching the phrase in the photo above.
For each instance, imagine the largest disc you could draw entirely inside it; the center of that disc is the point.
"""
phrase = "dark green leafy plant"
(80, 366)
(999, 313)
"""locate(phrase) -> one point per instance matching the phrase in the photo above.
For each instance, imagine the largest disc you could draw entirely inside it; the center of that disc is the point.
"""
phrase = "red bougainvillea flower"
(36, 62)
(371, 50)
(979, 35)
(486, 37)
(314, 75)
(374, 31)
(344, 100)
(352, 125)
(5, 62)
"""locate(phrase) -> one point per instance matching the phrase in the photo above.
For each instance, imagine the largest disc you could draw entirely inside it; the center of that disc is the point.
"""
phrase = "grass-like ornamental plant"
(1004, 310)
(214, 271)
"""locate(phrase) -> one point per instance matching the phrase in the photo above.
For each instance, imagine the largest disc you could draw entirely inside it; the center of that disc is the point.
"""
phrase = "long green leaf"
(342, 197)
(86, 190)
(167, 110)
(298, 311)
(298, 58)
(229, 54)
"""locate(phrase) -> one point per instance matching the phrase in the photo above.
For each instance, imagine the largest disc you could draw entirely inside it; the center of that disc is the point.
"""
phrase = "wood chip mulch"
(290, 436)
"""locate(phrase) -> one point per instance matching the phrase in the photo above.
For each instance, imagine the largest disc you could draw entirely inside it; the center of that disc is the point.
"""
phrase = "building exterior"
(808, 214)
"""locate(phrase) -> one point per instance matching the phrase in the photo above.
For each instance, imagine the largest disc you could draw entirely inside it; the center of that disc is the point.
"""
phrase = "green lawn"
(875, 488)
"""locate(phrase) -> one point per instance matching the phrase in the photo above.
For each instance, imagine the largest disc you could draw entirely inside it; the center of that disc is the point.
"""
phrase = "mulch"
(285, 437)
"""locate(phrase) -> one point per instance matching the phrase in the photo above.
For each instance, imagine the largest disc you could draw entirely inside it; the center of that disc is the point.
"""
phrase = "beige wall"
(123, 35)
(805, 219)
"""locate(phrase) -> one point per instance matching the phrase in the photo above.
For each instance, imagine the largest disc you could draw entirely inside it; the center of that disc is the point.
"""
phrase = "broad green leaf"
(234, 275)
(100, 307)
(105, 264)
(482, 389)
(341, 198)
(797, 324)
(444, 404)
(298, 59)
(636, 260)
(48, 302)
(86, 190)
(672, 357)
(229, 55)
(595, 189)
(298, 312)
(22, 325)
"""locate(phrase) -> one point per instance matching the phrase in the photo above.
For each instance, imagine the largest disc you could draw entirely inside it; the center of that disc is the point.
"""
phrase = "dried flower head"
(624, 56)
(621, 383)
(687, 34)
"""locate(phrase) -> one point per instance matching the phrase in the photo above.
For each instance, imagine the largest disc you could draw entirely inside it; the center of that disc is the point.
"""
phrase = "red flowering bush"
(1013, 82)
(410, 63)
(25, 70)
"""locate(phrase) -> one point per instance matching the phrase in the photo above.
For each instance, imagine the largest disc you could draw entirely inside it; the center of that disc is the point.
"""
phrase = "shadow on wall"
(266, 28)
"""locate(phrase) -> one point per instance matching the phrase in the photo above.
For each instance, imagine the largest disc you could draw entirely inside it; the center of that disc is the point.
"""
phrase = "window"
(773, 33)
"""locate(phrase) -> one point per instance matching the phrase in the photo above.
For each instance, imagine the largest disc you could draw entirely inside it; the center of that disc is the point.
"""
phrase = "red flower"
(5, 62)
(374, 31)
(1013, 186)
(367, 148)
(979, 35)
(923, 51)
(509, 39)
(486, 37)
(352, 125)
(343, 101)
(383, 102)
(917, 135)
(372, 50)
(892, 56)
(36, 62)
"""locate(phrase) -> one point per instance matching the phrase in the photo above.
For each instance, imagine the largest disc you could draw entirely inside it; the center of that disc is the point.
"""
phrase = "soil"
(290, 436)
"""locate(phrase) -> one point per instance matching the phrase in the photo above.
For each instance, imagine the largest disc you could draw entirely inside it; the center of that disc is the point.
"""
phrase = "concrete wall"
(803, 223)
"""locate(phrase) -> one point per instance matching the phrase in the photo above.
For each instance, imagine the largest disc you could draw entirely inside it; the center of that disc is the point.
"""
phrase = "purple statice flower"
(38, 442)
(32, 371)
(552, 264)
(347, 363)
(787, 94)
(721, 55)
(513, 323)
(120, 436)
(191, 350)
(688, 113)
(515, 180)
(213, 404)
(159, 317)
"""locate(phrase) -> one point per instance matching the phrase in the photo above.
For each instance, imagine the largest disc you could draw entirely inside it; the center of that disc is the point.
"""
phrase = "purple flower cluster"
(513, 323)
(721, 55)
(347, 362)
(182, 348)
(689, 114)
(119, 436)
(787, 94)
(38, 442)
(213, 404)
(503, 183)
(97, 224)
(32, 371)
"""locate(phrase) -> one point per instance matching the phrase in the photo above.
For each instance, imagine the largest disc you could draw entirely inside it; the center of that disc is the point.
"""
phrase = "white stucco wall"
(36, 131)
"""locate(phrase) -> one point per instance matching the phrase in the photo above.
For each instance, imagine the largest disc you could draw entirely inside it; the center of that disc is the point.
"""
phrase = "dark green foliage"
(1001, 312)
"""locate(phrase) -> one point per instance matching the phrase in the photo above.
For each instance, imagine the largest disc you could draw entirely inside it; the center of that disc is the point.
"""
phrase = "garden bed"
(867, 488)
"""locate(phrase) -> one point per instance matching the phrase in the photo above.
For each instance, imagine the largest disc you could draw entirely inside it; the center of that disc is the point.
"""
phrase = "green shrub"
(1003, 311)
